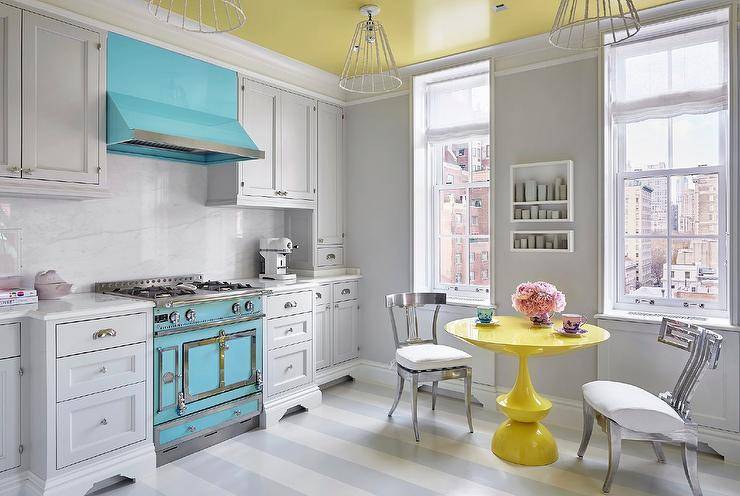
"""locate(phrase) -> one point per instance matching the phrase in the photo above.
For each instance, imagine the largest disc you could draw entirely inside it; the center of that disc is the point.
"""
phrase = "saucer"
(563, 332)
(492, 323)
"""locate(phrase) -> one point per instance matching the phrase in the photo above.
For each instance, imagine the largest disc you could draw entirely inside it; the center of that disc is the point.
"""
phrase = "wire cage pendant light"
(370, 66)
(587, 24)
(207, 16)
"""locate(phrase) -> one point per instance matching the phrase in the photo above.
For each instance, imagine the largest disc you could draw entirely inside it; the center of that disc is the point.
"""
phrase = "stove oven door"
(203, 368)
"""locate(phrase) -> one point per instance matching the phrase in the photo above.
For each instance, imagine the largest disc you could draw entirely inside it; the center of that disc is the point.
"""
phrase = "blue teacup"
(484, 313)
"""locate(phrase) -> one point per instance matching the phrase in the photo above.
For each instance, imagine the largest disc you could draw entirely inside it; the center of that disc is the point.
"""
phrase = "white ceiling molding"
(129, 17)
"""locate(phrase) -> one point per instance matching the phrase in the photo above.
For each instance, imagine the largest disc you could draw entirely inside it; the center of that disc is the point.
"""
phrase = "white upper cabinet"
(260, 116)
(10, 91)
(298, 146)
(62, 99)
(330, 229)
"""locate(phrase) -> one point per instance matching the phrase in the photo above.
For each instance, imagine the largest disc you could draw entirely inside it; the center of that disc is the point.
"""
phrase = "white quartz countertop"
(74, 306)
(301, 282)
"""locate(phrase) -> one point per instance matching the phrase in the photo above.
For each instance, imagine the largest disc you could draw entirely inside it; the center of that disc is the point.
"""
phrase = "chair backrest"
(409, 302)
(704, 348)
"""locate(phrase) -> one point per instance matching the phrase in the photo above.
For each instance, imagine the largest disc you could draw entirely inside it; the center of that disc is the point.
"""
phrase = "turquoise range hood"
(166, 105)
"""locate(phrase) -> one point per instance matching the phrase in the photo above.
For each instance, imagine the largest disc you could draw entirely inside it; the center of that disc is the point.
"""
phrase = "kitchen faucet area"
(466, 247)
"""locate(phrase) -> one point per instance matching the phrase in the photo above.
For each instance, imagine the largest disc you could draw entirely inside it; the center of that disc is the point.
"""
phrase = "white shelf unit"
(562, 241)
(543, 173)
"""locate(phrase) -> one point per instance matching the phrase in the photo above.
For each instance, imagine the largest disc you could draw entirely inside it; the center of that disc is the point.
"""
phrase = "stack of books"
(17, 296)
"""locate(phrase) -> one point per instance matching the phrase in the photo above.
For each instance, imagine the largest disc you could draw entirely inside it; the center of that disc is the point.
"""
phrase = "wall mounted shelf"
(538, 241)
(540, 187)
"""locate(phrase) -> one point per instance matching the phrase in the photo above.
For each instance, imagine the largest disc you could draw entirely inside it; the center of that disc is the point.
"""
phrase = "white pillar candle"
(556, 214)
(558, 183)
(550, 192)
(534, 211)
(516, 243)
(523, 243)
(530, 191)
(530, 240)
(549, 214)
(563, 192)
(543, 214)
(548, 245)
(525, 214)
(519, 192)
(540, 242)
(517, 213)
(541, 192)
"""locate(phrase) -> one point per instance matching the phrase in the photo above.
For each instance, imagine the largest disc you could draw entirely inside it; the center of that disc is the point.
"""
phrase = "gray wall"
(378, 221)
(540, 115)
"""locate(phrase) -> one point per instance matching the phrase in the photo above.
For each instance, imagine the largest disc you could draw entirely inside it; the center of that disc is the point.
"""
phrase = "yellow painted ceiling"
(318, 32)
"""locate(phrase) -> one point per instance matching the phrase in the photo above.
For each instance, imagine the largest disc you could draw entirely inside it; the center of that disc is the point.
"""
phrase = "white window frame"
(614, 150)
(426, 185)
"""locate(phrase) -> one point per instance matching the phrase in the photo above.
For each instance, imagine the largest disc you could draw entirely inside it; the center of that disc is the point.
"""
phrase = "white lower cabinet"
(10, 419)
(100, 423)
(289, 367)
(322, 335)
(346, 324)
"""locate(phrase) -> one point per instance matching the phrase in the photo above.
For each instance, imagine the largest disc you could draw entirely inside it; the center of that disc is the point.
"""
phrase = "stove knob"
(235, 308)
(249, 306)
(175, 317)
(190, 315)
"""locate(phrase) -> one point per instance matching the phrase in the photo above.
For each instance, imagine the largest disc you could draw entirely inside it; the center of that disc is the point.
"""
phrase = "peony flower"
(537, 298)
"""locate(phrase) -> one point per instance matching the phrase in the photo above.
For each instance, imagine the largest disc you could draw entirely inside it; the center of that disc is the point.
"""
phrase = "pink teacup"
(572, 322)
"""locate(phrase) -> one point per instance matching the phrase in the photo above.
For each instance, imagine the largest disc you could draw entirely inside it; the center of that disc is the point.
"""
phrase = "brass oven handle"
(104, 333)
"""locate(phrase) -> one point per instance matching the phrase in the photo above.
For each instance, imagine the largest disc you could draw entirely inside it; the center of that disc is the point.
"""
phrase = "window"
(452, 172)
(667, 120)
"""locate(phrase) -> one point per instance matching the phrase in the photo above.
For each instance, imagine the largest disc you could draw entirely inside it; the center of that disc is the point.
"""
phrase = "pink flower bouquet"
(537, 300)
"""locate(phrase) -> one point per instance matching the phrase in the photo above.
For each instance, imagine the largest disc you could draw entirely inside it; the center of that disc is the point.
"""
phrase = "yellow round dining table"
(522, 439)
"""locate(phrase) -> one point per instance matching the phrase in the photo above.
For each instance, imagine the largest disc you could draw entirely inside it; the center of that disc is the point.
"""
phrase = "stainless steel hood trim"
(194, 144)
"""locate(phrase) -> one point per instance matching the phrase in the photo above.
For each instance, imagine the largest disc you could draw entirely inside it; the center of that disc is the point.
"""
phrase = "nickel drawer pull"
(104, 333)
(346, 291)
(318, 295)
(104, 421)
(103, 369)
(290, 330)
(289, 304)
(331, 256)
(289, 367)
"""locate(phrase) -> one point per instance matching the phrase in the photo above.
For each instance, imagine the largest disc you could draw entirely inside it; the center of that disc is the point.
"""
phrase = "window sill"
(720, 323)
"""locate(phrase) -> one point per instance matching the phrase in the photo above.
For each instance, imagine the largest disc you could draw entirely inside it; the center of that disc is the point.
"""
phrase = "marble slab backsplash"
(155, 223)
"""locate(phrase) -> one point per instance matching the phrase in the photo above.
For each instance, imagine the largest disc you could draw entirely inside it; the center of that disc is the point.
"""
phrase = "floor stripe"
(336, 467)
(642, 473)
(401, 468)
(291, 474)
(172, 480)
(232, 478)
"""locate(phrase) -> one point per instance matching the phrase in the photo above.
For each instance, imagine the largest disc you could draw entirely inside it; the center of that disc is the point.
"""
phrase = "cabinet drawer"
(289, 367)
(10, 340)
(89, 373)
(329, 256)
(289, 330)
(322, 295)
(99, 423)
(99, 334)
(281, 305)
(345, 291)
(208, 420)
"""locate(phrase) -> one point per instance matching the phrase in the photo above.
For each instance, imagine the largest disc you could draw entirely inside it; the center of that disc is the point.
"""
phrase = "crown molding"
(129, 17)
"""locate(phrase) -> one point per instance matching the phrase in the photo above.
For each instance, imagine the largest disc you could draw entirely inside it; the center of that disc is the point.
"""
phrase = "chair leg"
(588, 427)
(690, 466)
(615, 450)
(469, 397)
(658, 448)
(399, 393)
(414, 402)
(435, 384)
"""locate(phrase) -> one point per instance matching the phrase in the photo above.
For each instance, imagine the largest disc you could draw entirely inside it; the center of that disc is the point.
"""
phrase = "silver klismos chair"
(423, 360)
(628, 412)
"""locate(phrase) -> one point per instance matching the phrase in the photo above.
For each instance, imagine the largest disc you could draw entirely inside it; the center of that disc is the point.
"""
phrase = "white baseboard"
(332, 373)
(13, 483)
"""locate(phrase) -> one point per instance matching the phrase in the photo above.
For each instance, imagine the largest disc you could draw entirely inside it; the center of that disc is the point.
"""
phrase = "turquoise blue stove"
(207, 359)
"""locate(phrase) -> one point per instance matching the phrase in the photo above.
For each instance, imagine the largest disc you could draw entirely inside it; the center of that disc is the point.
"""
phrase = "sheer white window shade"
(458, 108)
(676, 75)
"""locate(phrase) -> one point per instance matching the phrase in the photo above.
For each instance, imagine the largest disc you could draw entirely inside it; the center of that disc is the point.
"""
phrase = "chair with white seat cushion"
(423, 360)
(625, 411)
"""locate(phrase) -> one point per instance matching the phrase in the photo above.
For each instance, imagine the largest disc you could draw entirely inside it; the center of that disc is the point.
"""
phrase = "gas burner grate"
(221, 286)
(155, 291)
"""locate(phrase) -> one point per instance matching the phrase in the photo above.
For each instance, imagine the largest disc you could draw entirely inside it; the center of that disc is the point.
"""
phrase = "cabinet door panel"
(10, 419)
(346, 324)
(298, 146)
(10, 91)
(61, 101)
(322, 336)
(260, 116)
(329, 180)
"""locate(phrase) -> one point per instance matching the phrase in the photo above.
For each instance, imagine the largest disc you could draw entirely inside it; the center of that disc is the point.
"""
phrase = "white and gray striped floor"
(349, 447)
